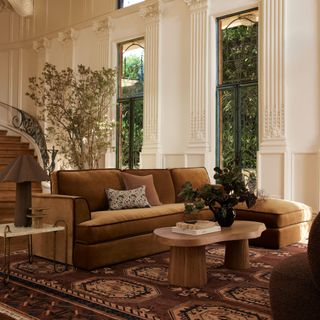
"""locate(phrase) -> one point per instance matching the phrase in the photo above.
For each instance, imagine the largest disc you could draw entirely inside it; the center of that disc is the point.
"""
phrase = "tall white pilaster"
(67, 40)
(41, 46)
(198, 131)
(273, 156)
(151, 149)
(102, 29)
(272, 72)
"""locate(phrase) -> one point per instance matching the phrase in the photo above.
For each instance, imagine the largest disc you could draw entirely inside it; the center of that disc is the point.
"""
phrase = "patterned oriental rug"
(139, 289)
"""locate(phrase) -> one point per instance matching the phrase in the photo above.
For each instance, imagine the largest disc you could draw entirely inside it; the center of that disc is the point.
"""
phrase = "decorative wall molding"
(23, 8)
(199, 73)
(5, 5)
(272, 67)
(196, 4)
(68, 36)
(151, 13)
(102, 27)
(41, 44)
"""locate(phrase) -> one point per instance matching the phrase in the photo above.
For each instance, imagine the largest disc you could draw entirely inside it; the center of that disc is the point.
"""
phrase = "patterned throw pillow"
(127, 199)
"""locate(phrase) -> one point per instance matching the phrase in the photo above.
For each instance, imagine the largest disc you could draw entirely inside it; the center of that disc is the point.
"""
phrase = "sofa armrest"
(71, 209)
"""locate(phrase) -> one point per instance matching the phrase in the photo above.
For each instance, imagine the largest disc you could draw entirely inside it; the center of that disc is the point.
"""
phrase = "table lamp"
(23, 170)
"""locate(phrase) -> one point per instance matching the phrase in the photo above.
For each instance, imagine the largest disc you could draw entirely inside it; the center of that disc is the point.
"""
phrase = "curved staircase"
(10, 148)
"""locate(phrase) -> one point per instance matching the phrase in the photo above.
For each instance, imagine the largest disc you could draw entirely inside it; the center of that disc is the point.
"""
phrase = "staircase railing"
(29, 125)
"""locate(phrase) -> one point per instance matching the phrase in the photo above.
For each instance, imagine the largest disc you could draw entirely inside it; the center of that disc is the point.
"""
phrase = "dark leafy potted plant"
(232, 187)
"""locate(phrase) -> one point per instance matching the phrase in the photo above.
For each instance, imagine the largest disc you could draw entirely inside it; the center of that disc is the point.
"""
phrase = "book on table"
(198, 228)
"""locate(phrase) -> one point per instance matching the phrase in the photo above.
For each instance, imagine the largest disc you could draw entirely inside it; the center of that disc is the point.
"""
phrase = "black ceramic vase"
(224, 216)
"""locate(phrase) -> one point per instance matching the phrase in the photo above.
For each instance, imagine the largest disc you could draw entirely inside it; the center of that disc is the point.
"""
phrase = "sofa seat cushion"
(117, 224)
(275, 213)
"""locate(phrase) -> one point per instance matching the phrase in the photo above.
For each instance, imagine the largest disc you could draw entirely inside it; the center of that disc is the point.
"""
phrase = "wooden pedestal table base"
(237, 255)
(187, 266)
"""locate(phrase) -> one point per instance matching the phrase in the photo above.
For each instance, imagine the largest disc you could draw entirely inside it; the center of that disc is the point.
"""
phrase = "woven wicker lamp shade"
(23, 170)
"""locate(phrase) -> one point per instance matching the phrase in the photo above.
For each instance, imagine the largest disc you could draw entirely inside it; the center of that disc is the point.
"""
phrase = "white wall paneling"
(14, 77)
(173, 160)
(271, 170)
(305, 182)
(28, 68)
(148, 160)
(4, 76)
(5, 27)
(194, 160)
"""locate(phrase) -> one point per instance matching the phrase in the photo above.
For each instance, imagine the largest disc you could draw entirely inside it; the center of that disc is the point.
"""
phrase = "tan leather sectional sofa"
(98, 237)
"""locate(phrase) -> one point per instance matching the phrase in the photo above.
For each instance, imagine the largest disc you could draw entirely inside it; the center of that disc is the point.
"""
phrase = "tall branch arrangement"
(76, 106)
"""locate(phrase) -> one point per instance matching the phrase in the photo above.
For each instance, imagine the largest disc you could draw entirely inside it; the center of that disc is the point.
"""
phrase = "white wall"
(302, 96)
(174, 82)
(287, 169)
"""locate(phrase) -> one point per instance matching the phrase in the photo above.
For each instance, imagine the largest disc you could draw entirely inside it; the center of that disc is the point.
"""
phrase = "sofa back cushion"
(197, 176)
(89, 184)
(162, 182)
(132, 181)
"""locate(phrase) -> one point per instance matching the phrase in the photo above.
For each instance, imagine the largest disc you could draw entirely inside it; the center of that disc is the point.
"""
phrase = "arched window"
(130, 103)
(237, 90)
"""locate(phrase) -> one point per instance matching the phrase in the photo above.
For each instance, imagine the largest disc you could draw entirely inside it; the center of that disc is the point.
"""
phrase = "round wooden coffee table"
(188, 267)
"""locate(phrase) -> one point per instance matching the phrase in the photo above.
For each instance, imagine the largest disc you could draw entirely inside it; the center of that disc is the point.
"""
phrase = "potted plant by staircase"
(76, 107)
(232, 187)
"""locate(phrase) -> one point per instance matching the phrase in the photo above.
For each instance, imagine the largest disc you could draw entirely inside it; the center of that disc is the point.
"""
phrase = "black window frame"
(236, 87)
(130, 101)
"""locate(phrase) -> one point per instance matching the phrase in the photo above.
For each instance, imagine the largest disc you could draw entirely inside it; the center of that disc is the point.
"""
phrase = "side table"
(8, 231)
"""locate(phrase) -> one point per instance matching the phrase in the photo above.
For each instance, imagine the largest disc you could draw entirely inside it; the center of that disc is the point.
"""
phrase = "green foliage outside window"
(238, 95)
(130, 108)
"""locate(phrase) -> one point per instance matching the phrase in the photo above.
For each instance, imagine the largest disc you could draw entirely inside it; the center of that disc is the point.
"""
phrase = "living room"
(180, 53)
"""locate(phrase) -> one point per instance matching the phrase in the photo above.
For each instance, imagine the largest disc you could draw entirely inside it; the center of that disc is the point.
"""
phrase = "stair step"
(6, 216)
(7, 197)
(13, 146)
(10, 148)
(7, 186)
(15, 152)
(4, 204)
(10, 139)
(5, 159)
